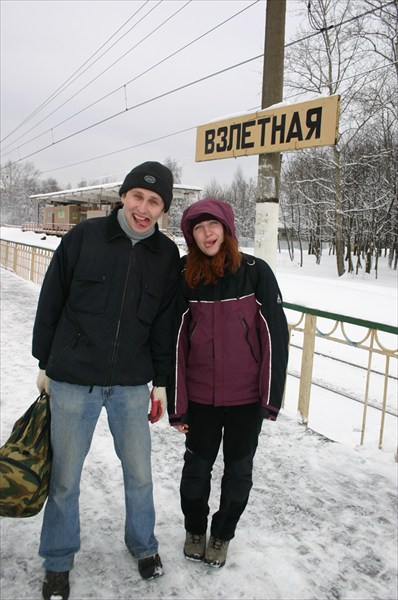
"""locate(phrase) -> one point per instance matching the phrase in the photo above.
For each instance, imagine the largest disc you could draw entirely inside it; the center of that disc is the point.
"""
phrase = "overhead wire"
(157, 139)
(188, 128)
(134, 78)
(183, 87)
(99, 75)
(109, 118)
(68, 81)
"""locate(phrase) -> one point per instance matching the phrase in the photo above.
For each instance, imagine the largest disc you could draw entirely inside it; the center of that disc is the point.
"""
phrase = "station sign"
(280, 128)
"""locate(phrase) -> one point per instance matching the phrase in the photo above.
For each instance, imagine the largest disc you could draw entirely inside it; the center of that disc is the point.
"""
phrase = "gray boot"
(216, 552)
(195, 545)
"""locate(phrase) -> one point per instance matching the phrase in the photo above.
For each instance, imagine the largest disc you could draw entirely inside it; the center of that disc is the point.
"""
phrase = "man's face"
(209, 235)
(142, 208)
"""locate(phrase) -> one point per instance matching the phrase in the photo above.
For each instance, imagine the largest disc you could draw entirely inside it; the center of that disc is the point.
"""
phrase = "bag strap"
(23, 423)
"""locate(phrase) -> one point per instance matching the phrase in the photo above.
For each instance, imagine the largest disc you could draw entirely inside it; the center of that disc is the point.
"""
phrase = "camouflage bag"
(25, 462)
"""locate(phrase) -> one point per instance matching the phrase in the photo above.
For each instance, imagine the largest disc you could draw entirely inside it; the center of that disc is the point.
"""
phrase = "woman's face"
(209, 235)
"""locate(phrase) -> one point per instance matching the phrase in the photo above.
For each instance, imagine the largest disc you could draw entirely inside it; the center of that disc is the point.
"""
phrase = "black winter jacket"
(105, 310)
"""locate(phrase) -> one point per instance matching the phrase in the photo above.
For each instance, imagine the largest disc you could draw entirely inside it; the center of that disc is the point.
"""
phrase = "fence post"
(15, 263)
(32, 264)
(307, 362)
(369, 371)
(7, 253)
(383, 410)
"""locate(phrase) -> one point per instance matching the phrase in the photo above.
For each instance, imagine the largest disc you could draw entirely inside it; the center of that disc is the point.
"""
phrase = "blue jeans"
(74, 414)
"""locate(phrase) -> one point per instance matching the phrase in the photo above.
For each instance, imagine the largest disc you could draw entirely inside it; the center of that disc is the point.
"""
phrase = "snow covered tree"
(175, 168)
(241, 194)
(46, 186)
(18, 181)
(352, 56)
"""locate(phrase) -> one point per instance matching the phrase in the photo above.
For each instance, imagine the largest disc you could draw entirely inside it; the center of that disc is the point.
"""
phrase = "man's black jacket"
(105, 310)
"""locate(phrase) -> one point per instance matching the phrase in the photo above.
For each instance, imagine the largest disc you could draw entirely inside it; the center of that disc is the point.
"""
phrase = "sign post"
(269, 164)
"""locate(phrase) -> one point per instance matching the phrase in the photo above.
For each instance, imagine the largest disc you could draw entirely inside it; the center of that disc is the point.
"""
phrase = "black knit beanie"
(151, 176)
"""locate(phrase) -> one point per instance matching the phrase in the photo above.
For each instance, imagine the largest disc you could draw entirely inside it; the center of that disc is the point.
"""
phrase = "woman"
(232, 350)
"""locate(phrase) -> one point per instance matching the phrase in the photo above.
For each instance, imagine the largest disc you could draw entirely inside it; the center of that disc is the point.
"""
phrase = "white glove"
(158, 404)
(43, 382)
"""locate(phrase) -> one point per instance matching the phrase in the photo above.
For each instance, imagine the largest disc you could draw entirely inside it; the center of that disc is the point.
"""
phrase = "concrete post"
(267, 202)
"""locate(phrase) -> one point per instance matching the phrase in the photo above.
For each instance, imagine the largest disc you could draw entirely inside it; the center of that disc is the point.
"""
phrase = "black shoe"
(56, 585)
(150, 567)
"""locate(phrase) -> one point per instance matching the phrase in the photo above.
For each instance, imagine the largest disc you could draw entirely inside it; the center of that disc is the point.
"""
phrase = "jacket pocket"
(89, 290)
(149, 304)
(58, 352)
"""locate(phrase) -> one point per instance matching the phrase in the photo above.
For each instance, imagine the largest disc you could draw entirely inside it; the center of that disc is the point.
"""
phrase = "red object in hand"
(156, 410)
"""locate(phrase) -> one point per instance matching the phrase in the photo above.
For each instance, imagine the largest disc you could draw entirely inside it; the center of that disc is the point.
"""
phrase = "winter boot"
(195, 545)
(56, 585)
(216, 552)
(150, 567)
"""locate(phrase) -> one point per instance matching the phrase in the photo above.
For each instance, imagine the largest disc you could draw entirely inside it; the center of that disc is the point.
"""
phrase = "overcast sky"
(58, 55)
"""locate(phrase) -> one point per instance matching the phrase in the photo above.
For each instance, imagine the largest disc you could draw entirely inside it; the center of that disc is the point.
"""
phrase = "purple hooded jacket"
(232, 336)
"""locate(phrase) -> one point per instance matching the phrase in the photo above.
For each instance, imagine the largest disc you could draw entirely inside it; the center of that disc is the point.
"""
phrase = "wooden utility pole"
(267, 202)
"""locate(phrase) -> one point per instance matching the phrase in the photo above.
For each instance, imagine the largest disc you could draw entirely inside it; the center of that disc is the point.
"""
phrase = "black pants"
(239, 428)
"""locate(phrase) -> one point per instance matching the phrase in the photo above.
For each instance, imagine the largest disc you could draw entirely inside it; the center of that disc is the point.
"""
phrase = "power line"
(63, 86)
(163, 137)
(358, 75)
(97, 77)
(164, 95)
(183, 130)
(183, 87)
(131, 80)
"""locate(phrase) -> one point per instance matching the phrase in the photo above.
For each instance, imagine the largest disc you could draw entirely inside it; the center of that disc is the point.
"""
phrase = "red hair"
(209, 269)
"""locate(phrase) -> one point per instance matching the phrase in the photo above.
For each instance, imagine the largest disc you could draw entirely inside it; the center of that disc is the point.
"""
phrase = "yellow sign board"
(278, 129)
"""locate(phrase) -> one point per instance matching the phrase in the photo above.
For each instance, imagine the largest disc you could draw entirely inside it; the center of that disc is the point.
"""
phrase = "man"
(102, 332)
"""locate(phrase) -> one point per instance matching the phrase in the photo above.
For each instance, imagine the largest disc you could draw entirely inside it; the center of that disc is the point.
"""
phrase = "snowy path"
(320, 524)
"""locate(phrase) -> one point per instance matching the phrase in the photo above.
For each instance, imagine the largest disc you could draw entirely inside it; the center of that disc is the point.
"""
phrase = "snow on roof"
(104, 191)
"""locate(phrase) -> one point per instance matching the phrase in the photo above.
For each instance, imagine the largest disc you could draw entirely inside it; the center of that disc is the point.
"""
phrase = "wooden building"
(62, 210)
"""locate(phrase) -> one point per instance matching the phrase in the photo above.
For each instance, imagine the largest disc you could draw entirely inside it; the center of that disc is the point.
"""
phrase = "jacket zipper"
(116, 338)
(246, 328)
(193, 330)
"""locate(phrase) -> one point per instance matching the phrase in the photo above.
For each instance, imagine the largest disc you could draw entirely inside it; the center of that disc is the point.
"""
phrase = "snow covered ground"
(321, 522)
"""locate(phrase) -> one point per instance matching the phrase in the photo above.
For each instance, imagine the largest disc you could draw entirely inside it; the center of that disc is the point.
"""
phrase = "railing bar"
(383, 414)
(392, 413)
(365, 402)
(345, 318)
(345, 362)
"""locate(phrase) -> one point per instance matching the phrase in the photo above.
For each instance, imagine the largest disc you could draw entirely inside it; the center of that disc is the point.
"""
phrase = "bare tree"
(214, 189)
(175, 168)
(240, 193)
(46, 186)
(345, 59)
(18, 181)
